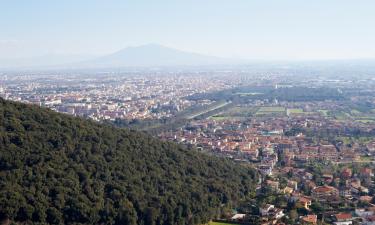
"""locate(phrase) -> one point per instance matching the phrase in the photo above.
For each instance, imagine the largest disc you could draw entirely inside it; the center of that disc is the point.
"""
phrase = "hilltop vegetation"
(59, 169)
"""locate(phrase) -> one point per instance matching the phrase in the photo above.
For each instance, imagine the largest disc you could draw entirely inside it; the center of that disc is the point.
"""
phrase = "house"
(278, 213)
(265, 170)
(345, 192)
(370, 220)
(366, 174)
(264, 211)
(274, 185)
(364, 213)
(357, 188)
(365, 198)
(271, 212)
(328, 178)
(304, 202)
(295, 196)
(346, 173)
(288, 190)
(307, 176)
(309, 184)
(322, 193)
(292, 184)
(238, 216)
(343, 219)
(309, 219)
(371, 147)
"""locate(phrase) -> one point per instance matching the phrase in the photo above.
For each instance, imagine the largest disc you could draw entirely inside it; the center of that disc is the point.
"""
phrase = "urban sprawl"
(312, 140)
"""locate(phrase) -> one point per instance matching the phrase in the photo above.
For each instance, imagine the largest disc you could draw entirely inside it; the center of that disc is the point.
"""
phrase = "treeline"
(57, 169)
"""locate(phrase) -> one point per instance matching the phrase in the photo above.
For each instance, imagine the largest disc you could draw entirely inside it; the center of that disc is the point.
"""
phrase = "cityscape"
(191, 112)
(311, 141)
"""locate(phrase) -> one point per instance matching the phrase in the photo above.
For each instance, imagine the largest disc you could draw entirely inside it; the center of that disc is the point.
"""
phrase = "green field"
(350, 114)
(295, 110)
(341, 116)
(355, 112)
(221, 223)
(349, 140)
(366, 120)
(238, 112)
(324, 112)
(220, 117)
(270, 110)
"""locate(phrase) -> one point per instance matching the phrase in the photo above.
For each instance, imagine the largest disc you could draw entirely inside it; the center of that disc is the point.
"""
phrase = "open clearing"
(270, 110)
(295, 110)
(221, 223)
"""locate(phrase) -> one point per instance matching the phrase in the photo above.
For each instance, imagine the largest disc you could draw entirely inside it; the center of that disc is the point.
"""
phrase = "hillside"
(59, 169)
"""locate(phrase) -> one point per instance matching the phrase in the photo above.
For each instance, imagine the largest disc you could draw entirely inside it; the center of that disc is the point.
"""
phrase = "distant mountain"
(149, 55)
(153, 55)
(59, 169)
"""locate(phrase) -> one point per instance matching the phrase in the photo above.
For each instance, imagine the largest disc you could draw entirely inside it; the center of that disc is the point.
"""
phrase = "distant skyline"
(265, 30)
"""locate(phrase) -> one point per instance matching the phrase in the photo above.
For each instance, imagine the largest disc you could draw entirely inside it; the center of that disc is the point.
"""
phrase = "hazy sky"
(252, 29)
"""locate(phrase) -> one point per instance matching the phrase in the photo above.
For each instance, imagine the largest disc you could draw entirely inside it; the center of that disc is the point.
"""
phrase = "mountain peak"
(154, 54)
(149, 45)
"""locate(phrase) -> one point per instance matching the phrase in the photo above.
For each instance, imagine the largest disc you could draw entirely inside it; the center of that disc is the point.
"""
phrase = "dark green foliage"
(59, 169)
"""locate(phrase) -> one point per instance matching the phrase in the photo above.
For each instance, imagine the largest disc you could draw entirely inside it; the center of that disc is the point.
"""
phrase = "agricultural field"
(324, 112)
(270, 111)
(368, 117)
(341, 116)
(236, 113)
(366, 120)
(350, 114)
(220, 118)
(295, 110)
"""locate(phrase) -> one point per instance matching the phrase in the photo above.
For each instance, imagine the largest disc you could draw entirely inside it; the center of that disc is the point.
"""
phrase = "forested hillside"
(59, 169)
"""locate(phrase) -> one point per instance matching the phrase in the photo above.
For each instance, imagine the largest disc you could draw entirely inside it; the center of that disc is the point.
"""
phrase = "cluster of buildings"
(285, 157)
(305, 153)
(265, 139)
(113, 96)
(341, 197)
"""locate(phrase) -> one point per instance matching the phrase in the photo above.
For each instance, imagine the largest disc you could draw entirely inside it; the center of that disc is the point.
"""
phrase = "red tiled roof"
(365, 198)
(310, 218)
(304, 200)
(324, 189)
(343, 216)
(366, 170)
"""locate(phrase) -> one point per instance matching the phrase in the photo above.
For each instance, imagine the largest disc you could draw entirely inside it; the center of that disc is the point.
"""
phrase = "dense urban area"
(312, 140)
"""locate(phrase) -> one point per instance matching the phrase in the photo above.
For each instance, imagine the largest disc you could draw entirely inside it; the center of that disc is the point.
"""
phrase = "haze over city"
(253, 30)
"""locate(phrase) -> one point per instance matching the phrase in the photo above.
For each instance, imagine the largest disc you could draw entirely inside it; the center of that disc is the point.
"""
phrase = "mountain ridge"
(148, 55)
(154, 55)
